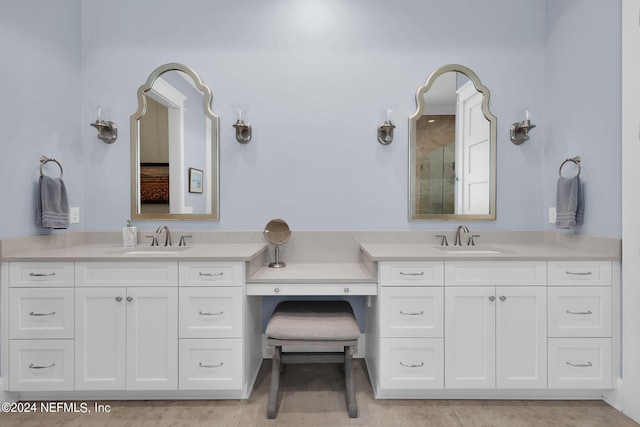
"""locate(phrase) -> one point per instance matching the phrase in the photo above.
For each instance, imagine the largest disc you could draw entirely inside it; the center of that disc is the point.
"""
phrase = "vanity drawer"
(38, 274)
(412, 363)
(40, 365)
(210, 312)
(41, 313)
(151, 273)
(210, 364)
(579, 273)
(411, 273)
(579, 311)
(412, 311)
(211, 274)
(580, 363)
(315, 289)
(495, 273)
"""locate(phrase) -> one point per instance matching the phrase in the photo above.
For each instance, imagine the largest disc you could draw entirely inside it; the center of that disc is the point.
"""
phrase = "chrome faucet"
(463, 228)
(167, 240)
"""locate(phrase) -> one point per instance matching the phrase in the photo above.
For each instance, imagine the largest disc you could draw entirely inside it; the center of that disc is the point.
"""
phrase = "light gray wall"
(41, 106)
(316, 81)
(583, 107)
(316, 75)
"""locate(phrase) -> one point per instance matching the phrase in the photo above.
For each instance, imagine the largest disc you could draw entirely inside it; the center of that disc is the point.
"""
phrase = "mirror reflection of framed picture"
(195, 180)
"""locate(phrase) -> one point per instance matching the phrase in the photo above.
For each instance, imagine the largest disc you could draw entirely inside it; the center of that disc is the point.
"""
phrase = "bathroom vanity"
(531, 320)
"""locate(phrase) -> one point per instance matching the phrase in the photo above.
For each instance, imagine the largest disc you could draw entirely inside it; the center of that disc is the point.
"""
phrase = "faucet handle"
(471, 242)
(443, 241)
(154, 241)
(183, 242)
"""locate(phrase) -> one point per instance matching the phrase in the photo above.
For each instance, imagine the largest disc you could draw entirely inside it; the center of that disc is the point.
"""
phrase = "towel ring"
(44, 159)
(575, 160)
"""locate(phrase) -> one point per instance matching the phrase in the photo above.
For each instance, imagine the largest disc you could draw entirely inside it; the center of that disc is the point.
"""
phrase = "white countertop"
(113, 252)
(506, 251)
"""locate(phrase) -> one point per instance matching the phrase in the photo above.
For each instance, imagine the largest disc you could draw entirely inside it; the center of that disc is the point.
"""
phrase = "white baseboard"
(615, 397)
(359, 355)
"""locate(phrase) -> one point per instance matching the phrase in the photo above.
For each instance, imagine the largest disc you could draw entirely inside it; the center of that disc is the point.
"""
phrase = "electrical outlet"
(74, 215)
(552, 215)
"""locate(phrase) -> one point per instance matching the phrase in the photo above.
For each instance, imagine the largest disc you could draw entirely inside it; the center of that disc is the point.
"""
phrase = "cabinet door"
(152, 338)
(100, 316)
(521, 337)
(470, 337)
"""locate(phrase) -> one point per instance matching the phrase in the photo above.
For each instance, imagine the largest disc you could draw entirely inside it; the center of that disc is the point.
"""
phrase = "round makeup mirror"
(277, 233)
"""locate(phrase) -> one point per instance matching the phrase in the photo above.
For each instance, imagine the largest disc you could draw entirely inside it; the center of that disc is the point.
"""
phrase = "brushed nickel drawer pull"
(42, 274)
(203, 365)
(503, 298)
(202, 313)
(580, 312)
(42, 314)
(410, 365)
(420, 313)
(276, 290)
(211, 274)
(581, 365)
(346, 290)
(129, 299)
(32, 366)
(588, 273)
(118, 298)
(492, 298)
(412, 274)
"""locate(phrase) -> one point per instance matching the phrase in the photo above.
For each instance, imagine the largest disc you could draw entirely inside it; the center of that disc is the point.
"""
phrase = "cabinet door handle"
(204, 365)
(32, 366)
(412, 274)
(202, 313)
(42, 274)
(412, 365)
(492, 298)
(129, 299)
(412, 313)
(276, 290)
(346, 290)
(583, 313)
(581, 365)
(503, 298)
(211, 274)
(42, 314)
(574, 273)
(118, 298)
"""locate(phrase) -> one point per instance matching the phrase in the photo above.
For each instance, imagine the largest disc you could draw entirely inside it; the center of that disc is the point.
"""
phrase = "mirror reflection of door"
(453, 149)
(174, 134)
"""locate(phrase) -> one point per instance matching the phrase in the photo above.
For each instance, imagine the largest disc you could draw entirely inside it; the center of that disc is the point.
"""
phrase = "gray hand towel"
(569, 202)
(52, 206)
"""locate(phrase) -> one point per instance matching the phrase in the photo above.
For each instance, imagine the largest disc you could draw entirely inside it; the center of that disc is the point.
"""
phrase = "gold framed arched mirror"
(174, 148)
(452, 149)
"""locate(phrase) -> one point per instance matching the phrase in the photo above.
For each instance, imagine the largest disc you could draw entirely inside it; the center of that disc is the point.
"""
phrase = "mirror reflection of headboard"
(174, 131)
(452, 149)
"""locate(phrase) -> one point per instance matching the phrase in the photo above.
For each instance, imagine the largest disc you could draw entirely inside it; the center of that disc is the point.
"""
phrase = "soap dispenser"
(129, 235)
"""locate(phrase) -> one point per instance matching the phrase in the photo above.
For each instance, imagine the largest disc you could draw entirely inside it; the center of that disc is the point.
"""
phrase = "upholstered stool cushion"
(313, 320)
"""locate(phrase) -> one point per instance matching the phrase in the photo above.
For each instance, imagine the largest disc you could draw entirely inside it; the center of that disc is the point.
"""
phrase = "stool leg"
(272, 407)
(352, 405)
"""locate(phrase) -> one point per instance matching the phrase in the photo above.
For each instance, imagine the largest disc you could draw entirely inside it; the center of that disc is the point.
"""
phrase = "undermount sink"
(153, 250)
(468, 250)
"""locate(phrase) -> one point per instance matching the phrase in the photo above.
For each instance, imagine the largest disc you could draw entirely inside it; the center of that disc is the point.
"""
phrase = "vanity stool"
(312, 323)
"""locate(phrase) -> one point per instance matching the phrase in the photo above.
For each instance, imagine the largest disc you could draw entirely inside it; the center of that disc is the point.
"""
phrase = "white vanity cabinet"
(211, 326)
(41, 319)
(126, 326)
(410, 325)
(580, 324)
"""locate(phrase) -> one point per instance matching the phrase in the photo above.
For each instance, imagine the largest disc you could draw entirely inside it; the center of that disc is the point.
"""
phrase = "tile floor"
(313, 395)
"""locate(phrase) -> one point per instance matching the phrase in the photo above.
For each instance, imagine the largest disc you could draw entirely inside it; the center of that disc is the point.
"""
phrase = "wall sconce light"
(520, 130)
(385, 130)
(107, 130)
(243, 129)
